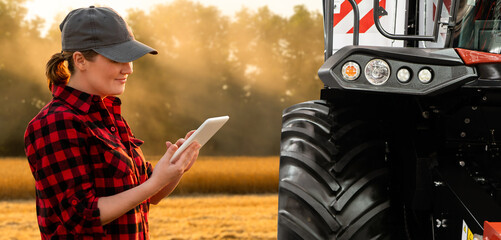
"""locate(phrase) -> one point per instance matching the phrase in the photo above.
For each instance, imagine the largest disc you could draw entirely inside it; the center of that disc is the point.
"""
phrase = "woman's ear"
(79, 61)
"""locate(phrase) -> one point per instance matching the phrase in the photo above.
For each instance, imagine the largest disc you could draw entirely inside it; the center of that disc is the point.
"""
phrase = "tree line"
(249, 66)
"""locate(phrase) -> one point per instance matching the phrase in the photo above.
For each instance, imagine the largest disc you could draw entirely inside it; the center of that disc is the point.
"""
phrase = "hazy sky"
(48, 9)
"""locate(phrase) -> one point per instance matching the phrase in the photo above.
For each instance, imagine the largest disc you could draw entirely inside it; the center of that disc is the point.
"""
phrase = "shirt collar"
(81, 100)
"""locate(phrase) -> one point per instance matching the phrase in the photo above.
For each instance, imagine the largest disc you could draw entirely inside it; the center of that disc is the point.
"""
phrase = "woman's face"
(105, 77)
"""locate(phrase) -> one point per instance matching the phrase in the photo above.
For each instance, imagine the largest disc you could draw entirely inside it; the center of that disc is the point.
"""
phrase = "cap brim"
(125, 52)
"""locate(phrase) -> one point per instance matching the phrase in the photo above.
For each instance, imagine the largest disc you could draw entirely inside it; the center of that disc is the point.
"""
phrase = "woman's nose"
(127, 68)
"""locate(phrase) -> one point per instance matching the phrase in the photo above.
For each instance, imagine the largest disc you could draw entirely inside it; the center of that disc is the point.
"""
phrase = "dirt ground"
(175, 218)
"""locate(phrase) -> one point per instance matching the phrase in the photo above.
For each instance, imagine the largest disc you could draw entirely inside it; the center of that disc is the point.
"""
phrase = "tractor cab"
(477, 26)
(468, 24)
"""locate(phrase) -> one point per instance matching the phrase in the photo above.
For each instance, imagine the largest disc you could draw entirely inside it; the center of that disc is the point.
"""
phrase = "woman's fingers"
(186, 156)
(192, 161)
(162, 167)
(180, 142)
(165, 170)
(192, 155)
(189, 134)
(171, 149)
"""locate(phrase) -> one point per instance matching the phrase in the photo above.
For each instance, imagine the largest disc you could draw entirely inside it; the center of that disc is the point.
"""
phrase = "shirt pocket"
(139, 156)
(117, 162)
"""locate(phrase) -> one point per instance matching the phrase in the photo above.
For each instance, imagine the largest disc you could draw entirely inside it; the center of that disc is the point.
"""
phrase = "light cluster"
(378, 71)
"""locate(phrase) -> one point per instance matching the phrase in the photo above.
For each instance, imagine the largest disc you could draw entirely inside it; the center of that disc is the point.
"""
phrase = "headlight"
(377, 71)
(404, 75)
(350, 71)
(425, 75)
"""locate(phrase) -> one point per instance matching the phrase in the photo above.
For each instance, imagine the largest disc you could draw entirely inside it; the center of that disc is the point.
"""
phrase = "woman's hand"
(167, 172)
(181, 142)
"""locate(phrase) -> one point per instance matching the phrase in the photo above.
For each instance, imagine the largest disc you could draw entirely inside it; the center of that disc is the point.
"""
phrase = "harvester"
(404, 141)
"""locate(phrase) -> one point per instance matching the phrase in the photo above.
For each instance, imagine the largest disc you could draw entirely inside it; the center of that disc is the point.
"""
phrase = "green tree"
(21, 74)
(304, 37)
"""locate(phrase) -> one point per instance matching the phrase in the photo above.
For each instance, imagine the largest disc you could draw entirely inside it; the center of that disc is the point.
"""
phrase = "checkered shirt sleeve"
(59, 160)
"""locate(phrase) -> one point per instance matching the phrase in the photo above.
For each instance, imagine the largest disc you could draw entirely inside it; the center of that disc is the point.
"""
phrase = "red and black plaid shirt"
(80, 148)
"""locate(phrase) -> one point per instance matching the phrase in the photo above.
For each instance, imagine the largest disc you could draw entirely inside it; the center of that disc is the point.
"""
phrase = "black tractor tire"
(334, 178)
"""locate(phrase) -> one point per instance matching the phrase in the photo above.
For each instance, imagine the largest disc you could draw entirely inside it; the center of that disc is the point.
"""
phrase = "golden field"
(175, 218)
(16, 181)
(227, 175)
(200, 208)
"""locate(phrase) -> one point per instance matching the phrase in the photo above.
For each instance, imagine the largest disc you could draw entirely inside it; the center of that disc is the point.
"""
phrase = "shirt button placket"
(113, 129)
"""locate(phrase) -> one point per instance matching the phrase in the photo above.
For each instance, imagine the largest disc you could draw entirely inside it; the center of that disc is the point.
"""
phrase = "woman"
(91, 177)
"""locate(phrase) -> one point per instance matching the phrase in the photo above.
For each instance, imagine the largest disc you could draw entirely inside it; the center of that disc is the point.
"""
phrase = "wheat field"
(215, 217)
(225, 175)
(175, 218)
(219, 198)
(16, 181)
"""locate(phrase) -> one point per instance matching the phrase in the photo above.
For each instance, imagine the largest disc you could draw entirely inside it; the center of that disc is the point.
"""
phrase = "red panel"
(367, 21)
(475, 57)
(345, 9)
(492, 230)
(447, 4)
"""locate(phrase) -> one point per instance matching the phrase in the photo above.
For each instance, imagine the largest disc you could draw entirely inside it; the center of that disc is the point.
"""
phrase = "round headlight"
(425, 75)
(377, 71)
(350, 71)
(404, 75)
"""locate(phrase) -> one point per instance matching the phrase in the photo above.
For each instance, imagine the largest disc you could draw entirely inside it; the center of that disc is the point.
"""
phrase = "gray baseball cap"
(102, 30)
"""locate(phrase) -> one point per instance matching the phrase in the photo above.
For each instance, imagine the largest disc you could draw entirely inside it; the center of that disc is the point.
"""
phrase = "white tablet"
(203, 133)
